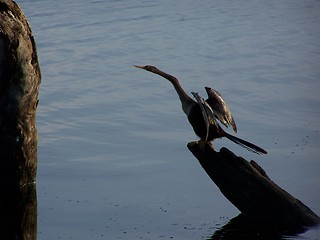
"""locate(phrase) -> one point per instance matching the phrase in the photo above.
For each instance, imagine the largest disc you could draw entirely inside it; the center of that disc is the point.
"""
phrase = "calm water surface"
(113, 161)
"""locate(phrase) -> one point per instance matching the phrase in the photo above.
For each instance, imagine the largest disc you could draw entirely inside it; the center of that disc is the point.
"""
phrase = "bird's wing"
(206, 111)
(220, 108)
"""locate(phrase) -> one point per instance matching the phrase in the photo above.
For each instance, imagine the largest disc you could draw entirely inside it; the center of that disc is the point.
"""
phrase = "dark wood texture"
(19, 85)
(247, 186)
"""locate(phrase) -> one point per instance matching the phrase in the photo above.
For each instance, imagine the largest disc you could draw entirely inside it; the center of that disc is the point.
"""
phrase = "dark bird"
(220, 108)
(202, 114)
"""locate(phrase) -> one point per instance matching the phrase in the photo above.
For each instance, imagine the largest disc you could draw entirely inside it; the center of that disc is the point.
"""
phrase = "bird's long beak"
(138, 66)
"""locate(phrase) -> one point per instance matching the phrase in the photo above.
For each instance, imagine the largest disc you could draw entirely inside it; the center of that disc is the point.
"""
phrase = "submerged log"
(19, 84)
(247, 186)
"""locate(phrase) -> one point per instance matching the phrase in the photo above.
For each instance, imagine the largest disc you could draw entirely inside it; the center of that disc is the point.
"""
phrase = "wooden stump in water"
(19, 85)
(247, 186)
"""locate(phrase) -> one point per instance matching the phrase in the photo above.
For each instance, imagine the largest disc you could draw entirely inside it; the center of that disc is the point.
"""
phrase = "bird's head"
(148, 68)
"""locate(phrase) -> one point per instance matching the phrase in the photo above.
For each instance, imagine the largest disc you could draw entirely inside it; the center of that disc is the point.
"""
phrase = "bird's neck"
(186, 101)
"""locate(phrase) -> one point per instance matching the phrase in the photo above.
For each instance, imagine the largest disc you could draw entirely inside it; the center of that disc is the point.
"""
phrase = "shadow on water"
(18, 218)
(241, 227)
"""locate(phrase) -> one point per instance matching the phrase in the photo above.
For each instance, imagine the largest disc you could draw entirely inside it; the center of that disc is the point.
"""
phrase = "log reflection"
(18, 219)
(242, 227)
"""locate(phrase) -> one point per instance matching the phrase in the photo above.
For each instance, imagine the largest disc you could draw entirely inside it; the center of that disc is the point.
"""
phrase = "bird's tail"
(249, 146)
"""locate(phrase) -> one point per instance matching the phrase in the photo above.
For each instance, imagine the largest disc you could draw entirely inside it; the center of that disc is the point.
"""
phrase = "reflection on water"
(18, 218)
(112, 140)
(243, 228)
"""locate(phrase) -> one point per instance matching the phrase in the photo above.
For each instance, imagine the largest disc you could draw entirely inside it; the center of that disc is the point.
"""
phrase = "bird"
(202, 114)
(220, 108)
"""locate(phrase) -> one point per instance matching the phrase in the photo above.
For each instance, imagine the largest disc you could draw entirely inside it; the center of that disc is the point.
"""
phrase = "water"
(113, 162)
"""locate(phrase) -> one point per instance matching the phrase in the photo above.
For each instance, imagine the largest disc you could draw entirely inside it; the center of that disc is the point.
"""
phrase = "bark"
(247, 186)
(19, 85)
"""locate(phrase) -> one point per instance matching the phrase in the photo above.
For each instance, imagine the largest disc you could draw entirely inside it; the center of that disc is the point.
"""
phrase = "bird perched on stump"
(203, 114)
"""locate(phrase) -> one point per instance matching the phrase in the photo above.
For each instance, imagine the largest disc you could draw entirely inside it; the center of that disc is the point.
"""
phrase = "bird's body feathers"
(202, 114)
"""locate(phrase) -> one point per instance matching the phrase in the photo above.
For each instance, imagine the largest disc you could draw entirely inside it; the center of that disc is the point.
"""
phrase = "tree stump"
(19, 85)
(247, 186)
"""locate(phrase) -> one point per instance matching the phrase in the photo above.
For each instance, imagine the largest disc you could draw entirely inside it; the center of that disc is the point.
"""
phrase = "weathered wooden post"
(19, 85)
(247, 186)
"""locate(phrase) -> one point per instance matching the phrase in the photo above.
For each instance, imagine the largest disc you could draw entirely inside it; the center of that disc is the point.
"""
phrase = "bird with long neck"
(201, 114)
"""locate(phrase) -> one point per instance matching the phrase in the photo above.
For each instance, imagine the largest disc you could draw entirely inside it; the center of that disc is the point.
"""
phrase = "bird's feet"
(202, 144)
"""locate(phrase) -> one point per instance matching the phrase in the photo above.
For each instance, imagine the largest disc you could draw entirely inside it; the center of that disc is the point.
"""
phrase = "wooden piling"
(19, 86)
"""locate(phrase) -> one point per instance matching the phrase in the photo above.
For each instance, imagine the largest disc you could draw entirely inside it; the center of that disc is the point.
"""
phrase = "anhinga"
(202, 114)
